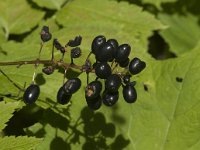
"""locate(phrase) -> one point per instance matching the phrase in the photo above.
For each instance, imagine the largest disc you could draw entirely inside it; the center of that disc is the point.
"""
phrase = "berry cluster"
(109, 55)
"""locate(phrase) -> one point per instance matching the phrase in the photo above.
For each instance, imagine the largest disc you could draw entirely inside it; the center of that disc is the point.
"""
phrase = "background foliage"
(163, 33)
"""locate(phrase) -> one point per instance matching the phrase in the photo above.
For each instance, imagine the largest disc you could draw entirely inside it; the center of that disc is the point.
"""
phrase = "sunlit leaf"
(120, 20)
(19, 143)
(6, 112)
(18, 17)
(50, 4)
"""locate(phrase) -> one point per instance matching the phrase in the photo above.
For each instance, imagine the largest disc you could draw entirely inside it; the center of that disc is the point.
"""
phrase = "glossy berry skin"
(124, 63)
(93, 90)
(136, 66)
(62, 97)
(31, 94)
(72, 85)
(123, 52)
(76, 42)
(95, 103)
(129, 93)
(109, 99)
(105, 53)
(97, 43)
(103, 70)
(113, 83)
(75, 52)
(115, 45)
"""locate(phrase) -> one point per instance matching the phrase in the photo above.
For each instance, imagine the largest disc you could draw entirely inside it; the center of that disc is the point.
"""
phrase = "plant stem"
(44, 62)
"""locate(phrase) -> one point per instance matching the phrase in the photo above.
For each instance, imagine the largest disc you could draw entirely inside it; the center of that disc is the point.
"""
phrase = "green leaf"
(6, 112)
(18, 16)
(120, 20)
(165, 116)
(2, 35)
(50, 4)
(62, 133)
(179, 32)
(158, 3)
(54, 131)
(19, 143)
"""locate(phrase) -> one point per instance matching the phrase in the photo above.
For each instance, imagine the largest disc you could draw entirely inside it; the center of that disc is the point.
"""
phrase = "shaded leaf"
(183, 32)
(158, 3)
(2, 35)
(54, 131)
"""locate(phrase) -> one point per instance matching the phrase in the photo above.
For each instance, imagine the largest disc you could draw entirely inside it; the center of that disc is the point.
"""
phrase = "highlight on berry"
(110, 56)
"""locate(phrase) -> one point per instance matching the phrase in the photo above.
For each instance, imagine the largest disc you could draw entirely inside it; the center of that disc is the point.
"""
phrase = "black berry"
(72, 85)
(97, 43)
(115, 45)
(58, 46)
(113, 83)
(62, 97)
(48, 70)
(103, 70)
(124, 63)
(136, 66)
(93, 90)
(31, 94)
(129, 93)
(123, 52)
(75, 52)
(105, 53)
(75, 42)
(109, 99)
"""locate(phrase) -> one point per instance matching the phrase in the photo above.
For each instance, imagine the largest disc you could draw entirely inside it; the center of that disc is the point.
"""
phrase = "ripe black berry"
(72, 85)
(129, 93)
(105, 53)
(97, 43)
(44, 34)
(31, 94)
(75, 42)
(115, 45)
(95, 103)
(62, 97)
(123, 52)
(103, 70)
(136, 66)
(113, 83)
(124, 63)
(109, 99)
(93, 90)
(75, 52)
